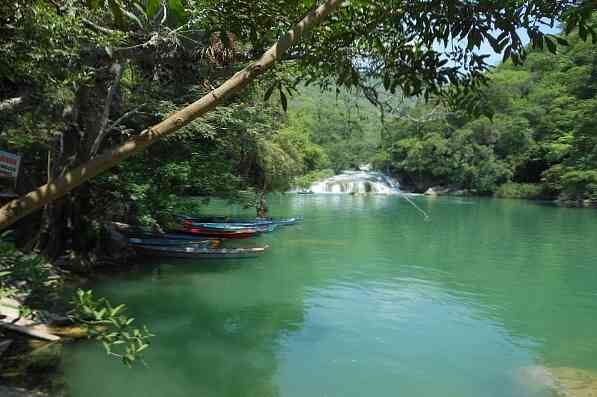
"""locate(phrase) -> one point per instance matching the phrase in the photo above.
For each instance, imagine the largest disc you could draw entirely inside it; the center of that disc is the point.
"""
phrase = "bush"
(529, 191)
(303, 182)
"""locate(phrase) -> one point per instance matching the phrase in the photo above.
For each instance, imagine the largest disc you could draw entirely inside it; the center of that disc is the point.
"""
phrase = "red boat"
(206, 232)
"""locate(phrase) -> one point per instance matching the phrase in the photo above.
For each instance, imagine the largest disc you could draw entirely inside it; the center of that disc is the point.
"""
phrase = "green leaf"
(551, 45)
(177, 9)
(94, 4)
(560, 40)
(133, 18)
(268, 93)
(283, 101)
(582, 32)
(119, 18)
(152, 8)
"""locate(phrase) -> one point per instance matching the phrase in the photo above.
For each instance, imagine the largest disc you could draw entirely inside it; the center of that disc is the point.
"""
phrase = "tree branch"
(117, 69)
(17, 209)
(97, 28)
(123, 117)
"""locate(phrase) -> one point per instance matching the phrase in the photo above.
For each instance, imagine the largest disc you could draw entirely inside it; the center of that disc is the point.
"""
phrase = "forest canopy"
(540, 141)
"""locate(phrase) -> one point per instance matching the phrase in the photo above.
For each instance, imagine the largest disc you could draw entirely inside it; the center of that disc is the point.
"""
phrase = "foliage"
(520, 191)
(32, 279)
(304, 181)
(109, 325)
(28, 275)
(340, 130)
(542, 131)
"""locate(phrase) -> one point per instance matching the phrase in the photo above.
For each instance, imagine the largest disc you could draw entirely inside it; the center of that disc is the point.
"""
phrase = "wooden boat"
(242, 222)
(196, 252)
(172, 235)
(218, 233)
(164, 241)
(262, 228)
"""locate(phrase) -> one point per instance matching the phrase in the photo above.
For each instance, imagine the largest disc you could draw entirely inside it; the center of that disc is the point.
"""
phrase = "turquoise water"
(365, 298)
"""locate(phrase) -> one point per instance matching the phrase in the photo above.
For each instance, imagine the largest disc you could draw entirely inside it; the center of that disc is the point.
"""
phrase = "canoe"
(199, 231)
(133, 241)
(196, 252)
(172, 235)
(242, 222)
(262, 228)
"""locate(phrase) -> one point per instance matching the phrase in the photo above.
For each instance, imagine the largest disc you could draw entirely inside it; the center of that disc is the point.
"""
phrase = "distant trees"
(542, 131)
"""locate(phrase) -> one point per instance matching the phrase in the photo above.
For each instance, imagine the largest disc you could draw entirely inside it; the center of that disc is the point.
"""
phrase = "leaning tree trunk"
(22, 206)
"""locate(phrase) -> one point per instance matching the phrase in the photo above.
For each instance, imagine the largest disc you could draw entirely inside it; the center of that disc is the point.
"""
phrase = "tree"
(541, 131)
(394, 41)
(98, 163)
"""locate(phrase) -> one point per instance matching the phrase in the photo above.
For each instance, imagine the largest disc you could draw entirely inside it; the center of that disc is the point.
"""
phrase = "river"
(365, 298)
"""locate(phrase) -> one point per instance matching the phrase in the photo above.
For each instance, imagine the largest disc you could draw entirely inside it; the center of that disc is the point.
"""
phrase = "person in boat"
(262, 211)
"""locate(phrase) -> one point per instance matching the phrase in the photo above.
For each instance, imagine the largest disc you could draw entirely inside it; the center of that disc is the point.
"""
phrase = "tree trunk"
(20, 207)
(64, 223)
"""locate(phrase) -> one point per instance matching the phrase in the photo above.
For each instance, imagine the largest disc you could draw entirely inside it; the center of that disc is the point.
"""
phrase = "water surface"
(364, 298)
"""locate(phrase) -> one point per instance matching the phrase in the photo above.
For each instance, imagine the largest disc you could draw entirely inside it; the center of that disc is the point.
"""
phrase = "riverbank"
(523, 191)
(43, 307)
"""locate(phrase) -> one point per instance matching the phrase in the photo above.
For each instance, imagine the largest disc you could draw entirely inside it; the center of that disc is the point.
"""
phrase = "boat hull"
(167, 242)
(230, 226)
(200, 252)
(241, 222)
(234, 234)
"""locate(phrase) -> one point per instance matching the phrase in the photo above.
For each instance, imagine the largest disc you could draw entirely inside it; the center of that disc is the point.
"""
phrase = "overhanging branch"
(17, 209)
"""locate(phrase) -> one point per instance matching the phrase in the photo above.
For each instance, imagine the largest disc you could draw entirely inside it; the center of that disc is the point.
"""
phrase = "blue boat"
(197, 252)
(241, 222)
(262, 228)
(167, 242)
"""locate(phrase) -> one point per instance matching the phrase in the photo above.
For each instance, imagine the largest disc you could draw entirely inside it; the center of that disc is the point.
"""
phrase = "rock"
(575, 382)
(14, 392)
(430, 192)
(438, 191)
(45, 356)
(461, 192)
(73, 331)
(563, 381)
(11, 319)
(4, 345)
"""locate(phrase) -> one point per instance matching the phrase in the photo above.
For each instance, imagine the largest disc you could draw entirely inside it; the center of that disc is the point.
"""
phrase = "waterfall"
(357, 182)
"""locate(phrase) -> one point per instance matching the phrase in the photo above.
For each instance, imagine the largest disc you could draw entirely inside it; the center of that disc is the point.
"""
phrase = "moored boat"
(164, 241)
(219, 233)
(241, 222)
(193, 251)
(262, 228)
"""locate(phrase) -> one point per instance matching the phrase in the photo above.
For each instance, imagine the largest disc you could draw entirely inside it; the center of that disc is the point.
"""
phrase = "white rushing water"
(357, 182)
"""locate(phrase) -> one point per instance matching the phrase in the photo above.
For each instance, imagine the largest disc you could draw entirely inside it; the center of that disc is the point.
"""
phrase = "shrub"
(529, 191)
